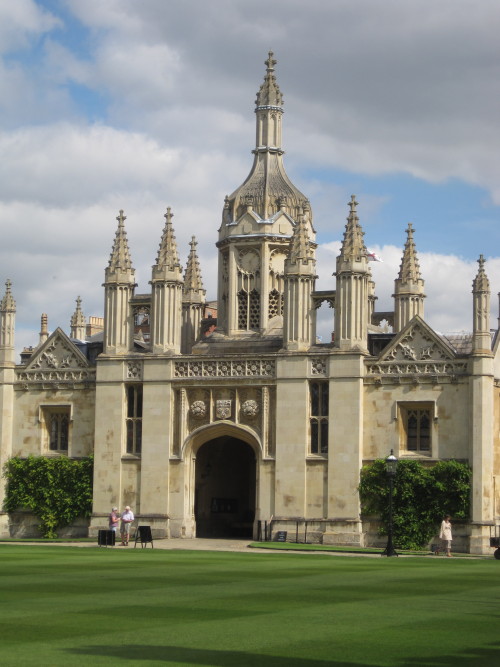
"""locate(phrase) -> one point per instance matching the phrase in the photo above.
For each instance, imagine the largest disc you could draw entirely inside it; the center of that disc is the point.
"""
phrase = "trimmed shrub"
(422, 496)
(57, 490)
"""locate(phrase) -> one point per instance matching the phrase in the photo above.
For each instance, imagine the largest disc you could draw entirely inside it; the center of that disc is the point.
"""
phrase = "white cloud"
(21, 20)
(371, 87)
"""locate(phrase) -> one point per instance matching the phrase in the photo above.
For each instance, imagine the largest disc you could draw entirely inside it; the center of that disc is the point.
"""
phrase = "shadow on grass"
(485, 657)
(195, 656)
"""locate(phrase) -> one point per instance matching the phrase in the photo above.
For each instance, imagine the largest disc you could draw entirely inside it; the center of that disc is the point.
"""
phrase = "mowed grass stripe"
(105, 606)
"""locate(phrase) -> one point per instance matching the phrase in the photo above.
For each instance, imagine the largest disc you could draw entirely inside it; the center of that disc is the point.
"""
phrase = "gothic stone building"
(256, 421)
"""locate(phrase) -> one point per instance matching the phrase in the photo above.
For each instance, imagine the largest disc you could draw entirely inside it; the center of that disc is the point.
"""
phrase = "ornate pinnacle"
(8, 304)
(168, 256)
(353, 244)
(120, 255)
(301, 249)
(192, 276)
(352, 205)
(269, 93)
(78, 318)
(270, 62)
(481, 282)
(409, 271)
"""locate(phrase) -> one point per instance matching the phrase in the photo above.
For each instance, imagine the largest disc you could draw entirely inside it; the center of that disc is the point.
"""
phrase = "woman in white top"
(445, 534)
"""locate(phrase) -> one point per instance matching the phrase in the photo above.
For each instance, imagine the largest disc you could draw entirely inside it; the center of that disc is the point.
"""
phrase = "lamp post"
(391, 465)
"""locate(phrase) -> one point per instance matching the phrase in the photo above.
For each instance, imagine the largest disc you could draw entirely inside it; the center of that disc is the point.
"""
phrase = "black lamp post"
(391, 465)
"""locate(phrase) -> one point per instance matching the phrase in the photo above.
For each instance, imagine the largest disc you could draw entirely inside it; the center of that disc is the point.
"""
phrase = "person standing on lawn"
(445, 534)
(114, 519)
(127, 518)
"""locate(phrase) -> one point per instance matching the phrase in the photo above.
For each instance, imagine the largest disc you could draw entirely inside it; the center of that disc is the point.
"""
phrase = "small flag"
(373, 257)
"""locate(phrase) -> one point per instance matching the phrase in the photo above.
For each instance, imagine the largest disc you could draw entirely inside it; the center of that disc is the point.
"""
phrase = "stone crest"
(223, 408)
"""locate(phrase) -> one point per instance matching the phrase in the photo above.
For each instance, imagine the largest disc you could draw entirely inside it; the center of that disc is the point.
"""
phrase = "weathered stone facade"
(256, 421)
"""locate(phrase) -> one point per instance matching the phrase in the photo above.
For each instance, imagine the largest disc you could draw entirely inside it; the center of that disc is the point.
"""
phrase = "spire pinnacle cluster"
(409, 270)
(168, 255)
(120, 255)
(353, 244)
(481, 282)
(8, 304)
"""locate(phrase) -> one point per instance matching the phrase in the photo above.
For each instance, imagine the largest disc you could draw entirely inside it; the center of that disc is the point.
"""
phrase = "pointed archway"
(225, 484)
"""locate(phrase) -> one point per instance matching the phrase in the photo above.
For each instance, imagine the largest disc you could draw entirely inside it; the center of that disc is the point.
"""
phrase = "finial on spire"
(120, 254)
(353, 245)
(481, 282)
(168, 215)
(8, 303)
(353, 203)
(409, 270)
(192, 277)
(269, 94)
(270, 62)
(168, 256)
(78, 322)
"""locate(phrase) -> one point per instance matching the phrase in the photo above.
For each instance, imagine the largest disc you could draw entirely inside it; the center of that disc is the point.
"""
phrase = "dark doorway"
(225, 489)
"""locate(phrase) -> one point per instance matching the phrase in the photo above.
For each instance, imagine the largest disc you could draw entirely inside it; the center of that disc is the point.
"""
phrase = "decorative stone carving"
(250, 408)
(318, 367)
(134, 370)
(219, 368)
(223, 408)
(198, 409)
(59, 364)
(418, 351)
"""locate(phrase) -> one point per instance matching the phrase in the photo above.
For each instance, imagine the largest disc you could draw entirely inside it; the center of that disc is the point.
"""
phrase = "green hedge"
(57, 490)
(423, 495)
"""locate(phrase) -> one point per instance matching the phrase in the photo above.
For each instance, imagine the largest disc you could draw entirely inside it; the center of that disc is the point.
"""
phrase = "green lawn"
(91, 606)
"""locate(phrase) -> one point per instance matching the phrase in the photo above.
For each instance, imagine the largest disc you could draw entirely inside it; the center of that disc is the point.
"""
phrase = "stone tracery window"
(134, 418)
(56, 420)
(248, 310)
(275, 303)
(417, 428)
(318, 393)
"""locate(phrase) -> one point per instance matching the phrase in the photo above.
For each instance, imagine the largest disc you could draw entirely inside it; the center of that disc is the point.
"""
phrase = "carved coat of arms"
(223, 408)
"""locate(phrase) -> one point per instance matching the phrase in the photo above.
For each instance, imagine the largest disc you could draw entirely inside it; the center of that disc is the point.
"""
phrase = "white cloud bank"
(150, 105)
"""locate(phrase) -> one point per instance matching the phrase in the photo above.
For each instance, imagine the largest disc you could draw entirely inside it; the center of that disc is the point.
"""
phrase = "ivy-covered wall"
(422, 496)
(57, 490)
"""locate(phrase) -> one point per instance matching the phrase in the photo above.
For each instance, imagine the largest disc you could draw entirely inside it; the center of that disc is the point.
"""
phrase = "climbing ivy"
(422, 496)
(57, 490)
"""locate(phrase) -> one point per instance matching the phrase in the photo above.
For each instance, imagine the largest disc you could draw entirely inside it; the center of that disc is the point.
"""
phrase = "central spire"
(258, 223)
(267, 189)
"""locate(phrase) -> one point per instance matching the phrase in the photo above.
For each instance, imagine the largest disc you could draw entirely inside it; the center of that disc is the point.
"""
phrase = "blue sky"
(144, 105)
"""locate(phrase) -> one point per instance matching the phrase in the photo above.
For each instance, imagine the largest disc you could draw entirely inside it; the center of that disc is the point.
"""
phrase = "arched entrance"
(225, 488)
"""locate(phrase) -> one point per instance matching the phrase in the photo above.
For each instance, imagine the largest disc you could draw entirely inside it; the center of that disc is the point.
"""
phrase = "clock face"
(249, 261)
